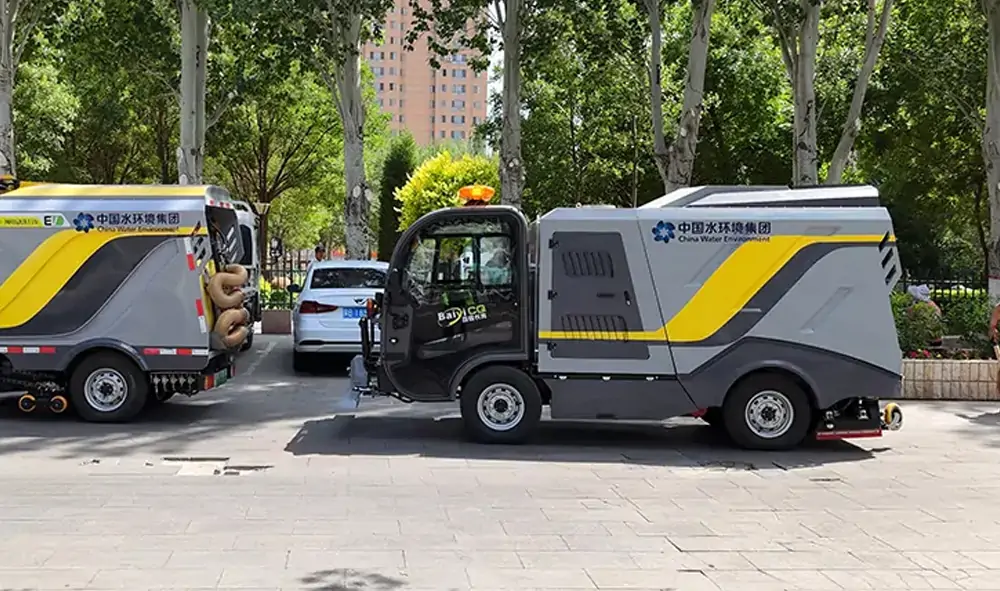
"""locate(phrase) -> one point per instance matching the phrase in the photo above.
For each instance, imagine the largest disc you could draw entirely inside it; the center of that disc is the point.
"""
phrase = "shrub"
(398, 167)
(917, 323)
(968, 317)
(436, 182)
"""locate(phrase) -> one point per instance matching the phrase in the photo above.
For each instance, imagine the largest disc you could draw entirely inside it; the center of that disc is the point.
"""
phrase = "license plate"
(221, 377)
(354, 312)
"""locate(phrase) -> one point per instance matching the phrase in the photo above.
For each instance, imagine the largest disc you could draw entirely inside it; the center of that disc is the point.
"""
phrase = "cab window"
(465, 255)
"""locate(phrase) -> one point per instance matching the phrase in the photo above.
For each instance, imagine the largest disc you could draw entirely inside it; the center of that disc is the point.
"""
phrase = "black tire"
(247, 344)
(301, 362)
(511, 385)
(119, 372)
(713, 416)
(783, 392)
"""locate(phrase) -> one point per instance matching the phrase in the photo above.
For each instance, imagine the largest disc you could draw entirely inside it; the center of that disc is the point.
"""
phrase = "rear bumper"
(858, 418)
(315, 346)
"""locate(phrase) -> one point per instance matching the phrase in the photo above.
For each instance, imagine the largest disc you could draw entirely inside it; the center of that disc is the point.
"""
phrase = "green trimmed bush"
(918, 324)
(436, 182)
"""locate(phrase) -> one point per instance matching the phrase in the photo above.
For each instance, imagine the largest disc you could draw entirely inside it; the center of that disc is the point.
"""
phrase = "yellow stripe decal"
(724, 294)
(47, 270)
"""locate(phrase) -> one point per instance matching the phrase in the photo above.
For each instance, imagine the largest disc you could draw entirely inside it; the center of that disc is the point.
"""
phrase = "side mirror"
(294, 288)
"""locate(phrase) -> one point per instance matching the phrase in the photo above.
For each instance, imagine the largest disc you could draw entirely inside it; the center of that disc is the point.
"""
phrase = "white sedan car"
(329, 306)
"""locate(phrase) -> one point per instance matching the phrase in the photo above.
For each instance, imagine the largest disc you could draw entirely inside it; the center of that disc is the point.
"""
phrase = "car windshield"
(347, 278)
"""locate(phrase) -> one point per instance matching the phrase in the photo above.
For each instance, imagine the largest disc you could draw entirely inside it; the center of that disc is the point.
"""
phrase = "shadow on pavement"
(343, 579)
(271, 393)
(686, 444)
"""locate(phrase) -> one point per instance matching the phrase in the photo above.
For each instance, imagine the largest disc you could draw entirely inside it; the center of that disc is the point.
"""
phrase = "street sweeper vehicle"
(117, 297)
(763, 310)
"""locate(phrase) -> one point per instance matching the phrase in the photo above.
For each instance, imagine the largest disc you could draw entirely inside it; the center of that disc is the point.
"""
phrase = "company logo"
(83, 222)
(453, 316)
(663, 232)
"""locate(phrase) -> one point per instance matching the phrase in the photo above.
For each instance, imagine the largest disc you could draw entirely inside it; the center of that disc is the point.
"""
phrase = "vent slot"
(597, 327)
(884, 242)
(581, 263)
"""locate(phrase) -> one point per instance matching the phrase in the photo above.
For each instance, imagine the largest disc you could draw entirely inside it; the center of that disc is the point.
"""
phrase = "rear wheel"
(501, 404)
(301, 362)
(108, 387)
(767, 411)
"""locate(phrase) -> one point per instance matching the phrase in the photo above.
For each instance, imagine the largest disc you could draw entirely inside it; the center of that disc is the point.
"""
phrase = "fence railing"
(946, 291)
(281, 271)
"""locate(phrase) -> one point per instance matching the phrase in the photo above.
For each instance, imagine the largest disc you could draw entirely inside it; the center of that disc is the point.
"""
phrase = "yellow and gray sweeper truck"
(763, 310)
(115, 298)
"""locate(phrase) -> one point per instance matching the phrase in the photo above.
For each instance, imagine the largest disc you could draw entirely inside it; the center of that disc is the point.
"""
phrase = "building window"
(403, 11)
(400, 103)
(433, 88)
(458, 74)
(475, 89)
(432, 118)
(381, 55)
(371, 55)
(401, 116)
(442, 133)
(400, 86)
(392, 72)
(476, 74)
(392, 102)
(380, 103)
(444, 118)
(454, 134)
(458, 104)
(458, 118)
(381, 85)
(392, 55)
(444, 88)
(392, 40)
(392, 86)
(475, 105)
(432, 106)
(462, 133)
(475, 120)
(444, 73)
(392, 24)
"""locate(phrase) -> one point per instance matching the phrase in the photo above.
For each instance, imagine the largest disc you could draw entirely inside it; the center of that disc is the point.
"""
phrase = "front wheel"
(108, 388)
(501, 404)
(767, 411)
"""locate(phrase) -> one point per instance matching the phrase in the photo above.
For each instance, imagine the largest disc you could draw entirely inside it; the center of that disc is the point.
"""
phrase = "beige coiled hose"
(223, 288)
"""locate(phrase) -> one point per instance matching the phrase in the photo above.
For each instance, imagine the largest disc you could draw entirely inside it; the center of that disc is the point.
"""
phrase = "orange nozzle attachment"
(476, 193)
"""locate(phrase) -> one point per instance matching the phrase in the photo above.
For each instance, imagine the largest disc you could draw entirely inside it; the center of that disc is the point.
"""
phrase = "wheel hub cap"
(105, 390)
(501, 407)
(769, 414)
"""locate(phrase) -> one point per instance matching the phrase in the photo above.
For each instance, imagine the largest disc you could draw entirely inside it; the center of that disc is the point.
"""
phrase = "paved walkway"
(265, 486)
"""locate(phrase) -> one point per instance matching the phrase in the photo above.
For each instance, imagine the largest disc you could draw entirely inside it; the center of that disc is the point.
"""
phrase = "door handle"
(605, 294)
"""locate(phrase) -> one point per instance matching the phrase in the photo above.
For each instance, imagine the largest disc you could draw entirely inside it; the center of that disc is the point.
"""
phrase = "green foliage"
(968, 317)
(917, 323)
(435, 184)
(399, 165)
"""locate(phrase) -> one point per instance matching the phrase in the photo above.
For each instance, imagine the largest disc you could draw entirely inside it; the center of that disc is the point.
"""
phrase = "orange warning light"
(473, 193)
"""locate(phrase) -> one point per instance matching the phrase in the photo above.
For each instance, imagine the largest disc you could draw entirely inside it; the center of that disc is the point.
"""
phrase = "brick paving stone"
(391, 498)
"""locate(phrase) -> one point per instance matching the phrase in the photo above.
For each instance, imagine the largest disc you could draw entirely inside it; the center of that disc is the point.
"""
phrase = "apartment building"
(433, 104)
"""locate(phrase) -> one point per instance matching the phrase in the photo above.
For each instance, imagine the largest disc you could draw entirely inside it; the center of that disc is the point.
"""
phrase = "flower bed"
(962, 366)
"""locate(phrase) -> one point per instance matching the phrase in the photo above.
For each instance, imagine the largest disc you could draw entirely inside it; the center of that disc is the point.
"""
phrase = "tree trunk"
(991, 143)
(661, 154)
(874, 38)
(684, 149)
(804, 150)
(8, 71)
(352, 113)
(511, 165)
(194, 55)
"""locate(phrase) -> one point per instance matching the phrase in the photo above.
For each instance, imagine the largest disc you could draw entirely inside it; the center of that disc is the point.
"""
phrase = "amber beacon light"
(476, 194)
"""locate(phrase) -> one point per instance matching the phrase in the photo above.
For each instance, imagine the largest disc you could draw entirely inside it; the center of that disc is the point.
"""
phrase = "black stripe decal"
(770, 294)
(90, 287)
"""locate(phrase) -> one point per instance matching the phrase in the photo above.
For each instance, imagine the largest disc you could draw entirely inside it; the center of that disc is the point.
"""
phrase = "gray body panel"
(814, 302)
(149, 310)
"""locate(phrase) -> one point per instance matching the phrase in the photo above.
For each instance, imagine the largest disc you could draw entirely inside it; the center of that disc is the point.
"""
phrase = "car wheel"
(301, 362)
(501, 404)
(767, 411)
(108, 388)
(247, 344)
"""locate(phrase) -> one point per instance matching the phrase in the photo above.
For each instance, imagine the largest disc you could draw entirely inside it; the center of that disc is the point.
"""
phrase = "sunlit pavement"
(263, 485)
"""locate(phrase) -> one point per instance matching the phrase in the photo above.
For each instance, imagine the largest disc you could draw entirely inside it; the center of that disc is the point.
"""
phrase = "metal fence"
(946, 291)
(280, 271)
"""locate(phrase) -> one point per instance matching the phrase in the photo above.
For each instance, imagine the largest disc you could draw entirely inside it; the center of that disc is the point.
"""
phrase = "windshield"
(347, 278)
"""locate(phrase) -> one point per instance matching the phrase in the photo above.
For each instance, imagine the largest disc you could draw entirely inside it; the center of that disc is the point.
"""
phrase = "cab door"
(454, 294)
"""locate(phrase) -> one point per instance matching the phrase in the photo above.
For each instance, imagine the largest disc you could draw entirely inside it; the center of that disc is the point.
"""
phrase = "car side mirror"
(293, 289)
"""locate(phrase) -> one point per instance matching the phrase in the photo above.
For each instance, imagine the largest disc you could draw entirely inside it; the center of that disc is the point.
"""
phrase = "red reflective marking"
(190, 258)
(47, 350)
(828, 435)
(200, 307)
(699, 413)
(150, 351)
(15, 349)
(184, 352)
